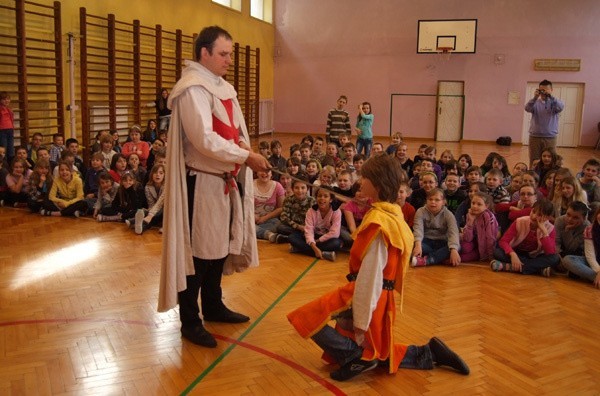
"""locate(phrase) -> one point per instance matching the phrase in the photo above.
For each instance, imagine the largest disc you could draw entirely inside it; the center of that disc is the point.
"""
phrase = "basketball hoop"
(444, 53)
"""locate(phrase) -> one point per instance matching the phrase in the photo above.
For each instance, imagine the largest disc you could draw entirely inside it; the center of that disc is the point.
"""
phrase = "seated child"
(393, 147)
(17, 182)
(66, 194)
(331, 155)
(493, 181)
(365, 336)
(453, 194)
(377, 148)
(472, 175)
(506, 213)
(478, 237)
(428, 182)
(436, 233)
(268, 203)
(586, 267)
(344, 184)
(327, 178)
(589, 180)
(107, 189)
(528, 246)
(129, 198)
(570, 191)
(414, 182)
(154, 192)
(402, 157)
(407, 209)
(321, 235)
(570, 229)
(134, 166)
(317, 149)
(353, 212)
(463, 208)
(464, 163)
(40, 184)
(276, 160)
(293, 213)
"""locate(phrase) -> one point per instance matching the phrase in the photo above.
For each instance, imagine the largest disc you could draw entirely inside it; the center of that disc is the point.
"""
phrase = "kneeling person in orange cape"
(365, 309)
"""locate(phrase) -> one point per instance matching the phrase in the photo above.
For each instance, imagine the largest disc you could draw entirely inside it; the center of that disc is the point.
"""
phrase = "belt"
(388, 284)
(227, 177)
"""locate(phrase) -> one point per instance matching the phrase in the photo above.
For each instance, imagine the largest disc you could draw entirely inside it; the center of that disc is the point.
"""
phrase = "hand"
(536, 94)
(318, 252)
(358, 131)
(359, 336)
(91, 195)
(470, 217)
(597, 281)
(417, 251)
(300, 228)
(517, 264)
(454, 257)
(61, 205)
(257, 162)
(259, 220)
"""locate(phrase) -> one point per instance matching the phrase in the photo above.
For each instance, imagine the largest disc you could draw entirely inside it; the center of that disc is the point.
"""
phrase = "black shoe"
(352, 369)
(199, 336)
(226, 316)
(444, 356)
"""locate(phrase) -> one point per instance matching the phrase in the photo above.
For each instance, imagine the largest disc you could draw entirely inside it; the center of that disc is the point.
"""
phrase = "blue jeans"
(364, 143)
(163, 123)
(531, 266)
(578, 265)
(268, 226)
(436, 249)
(7, 140)
(284, 229)
(299, 244)
(343, 350)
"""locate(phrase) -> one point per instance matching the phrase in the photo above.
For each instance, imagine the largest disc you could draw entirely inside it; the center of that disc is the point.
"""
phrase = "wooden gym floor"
(78, 317)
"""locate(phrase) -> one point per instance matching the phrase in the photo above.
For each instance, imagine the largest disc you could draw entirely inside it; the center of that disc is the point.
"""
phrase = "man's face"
(218, 62)
(545, 89)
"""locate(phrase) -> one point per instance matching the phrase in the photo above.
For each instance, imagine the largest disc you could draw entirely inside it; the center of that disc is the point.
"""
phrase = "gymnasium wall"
(367, 50)
(188, 15)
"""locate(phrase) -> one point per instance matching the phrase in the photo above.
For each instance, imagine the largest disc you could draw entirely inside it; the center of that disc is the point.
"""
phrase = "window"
(262, 9)
(235, 4)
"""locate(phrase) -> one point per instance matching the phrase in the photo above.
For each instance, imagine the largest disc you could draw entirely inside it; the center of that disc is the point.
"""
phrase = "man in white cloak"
(209, 215)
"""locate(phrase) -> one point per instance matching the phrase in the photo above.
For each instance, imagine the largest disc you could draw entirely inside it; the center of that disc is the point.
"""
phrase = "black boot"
(444, 356)
(199, 336)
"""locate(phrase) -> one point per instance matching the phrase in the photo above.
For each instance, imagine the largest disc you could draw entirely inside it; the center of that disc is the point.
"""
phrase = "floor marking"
(238, 341)
(68, 320)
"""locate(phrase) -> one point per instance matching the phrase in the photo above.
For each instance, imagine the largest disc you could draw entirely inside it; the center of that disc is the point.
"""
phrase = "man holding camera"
(543, 130)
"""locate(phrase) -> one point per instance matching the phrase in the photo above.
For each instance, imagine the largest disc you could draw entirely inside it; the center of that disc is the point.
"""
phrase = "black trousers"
(206, 282)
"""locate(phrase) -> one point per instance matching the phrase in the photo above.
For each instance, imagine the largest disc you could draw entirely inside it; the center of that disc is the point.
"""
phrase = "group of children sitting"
(532, 221)
(54, 181)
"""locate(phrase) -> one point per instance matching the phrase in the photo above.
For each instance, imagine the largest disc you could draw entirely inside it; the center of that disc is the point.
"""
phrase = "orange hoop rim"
(445, 50)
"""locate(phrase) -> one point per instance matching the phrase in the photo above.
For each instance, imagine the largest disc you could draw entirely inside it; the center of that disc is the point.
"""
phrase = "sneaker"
(271, 236)
(77, 213)
(139, 222)
(130, 223)
(496, 265)
(547, 272)
(43, 212)
(420, 261)
(352, 369)
(99, 218)
(329, 256)
(444, 356)
(281, 238)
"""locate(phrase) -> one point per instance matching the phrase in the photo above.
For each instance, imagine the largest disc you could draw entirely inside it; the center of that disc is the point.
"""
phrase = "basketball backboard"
(458, 34)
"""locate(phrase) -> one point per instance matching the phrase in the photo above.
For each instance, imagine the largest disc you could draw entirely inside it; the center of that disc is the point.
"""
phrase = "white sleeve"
(369, 283)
